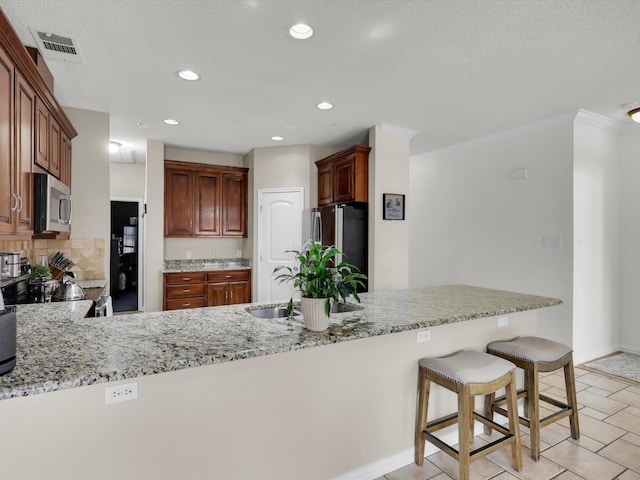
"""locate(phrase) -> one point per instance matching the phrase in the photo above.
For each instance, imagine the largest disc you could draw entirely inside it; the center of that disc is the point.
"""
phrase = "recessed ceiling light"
(188, 75)
(171, 121)
(114, 146)
(277, 138)
(634, 114)
(325, 106)
(301, 31)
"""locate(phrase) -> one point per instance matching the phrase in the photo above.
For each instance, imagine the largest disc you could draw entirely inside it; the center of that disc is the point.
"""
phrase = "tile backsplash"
(86, 253)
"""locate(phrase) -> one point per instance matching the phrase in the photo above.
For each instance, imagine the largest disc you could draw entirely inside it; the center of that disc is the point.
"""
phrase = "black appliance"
(346, 227)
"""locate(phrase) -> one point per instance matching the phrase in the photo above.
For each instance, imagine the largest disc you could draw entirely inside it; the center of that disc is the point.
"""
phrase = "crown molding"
(600, 121)
(397, 131)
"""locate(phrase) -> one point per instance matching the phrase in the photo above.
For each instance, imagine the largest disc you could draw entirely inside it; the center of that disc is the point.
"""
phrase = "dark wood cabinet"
(205, 200)
(7, 160)
(184, 290)
(25, 111)
(344, 176)
(29, 118)
(16, 150)
(178, 202)
(201, 289)
(229, 287)
(65, 159)
(234, 204)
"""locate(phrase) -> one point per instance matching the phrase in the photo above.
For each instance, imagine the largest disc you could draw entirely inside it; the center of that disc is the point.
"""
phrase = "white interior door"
(279, 230)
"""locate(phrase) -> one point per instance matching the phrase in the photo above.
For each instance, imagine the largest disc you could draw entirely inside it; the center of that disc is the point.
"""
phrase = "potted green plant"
(320, 282)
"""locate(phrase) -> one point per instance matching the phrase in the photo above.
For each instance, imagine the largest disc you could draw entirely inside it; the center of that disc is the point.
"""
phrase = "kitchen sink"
(344, 307)
(272, 312)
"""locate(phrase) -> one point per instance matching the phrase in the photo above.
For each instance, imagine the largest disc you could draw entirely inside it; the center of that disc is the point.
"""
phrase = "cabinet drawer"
(180, 291)
(185, 277)
(228, 275)
(178, 303)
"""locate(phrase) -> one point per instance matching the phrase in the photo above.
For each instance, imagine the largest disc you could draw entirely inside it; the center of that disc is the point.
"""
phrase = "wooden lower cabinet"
(202, 289)
(228, 287)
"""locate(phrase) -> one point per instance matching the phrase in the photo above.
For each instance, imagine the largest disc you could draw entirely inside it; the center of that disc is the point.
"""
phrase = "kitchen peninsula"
(268, 399)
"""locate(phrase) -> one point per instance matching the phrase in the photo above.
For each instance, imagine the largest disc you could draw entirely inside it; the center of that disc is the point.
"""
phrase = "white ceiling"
(452, 69)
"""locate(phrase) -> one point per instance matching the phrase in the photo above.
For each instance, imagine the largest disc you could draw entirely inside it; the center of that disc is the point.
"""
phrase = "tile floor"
(608, 448)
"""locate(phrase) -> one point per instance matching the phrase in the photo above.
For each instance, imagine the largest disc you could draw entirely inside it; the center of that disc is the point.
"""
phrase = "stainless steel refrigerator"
(345, 226)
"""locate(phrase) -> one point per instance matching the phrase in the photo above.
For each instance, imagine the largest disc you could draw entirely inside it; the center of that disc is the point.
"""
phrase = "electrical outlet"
(121, 393)
(187, 255)
(214, 251)
(424, 336)
(503, 321)
(238, 253)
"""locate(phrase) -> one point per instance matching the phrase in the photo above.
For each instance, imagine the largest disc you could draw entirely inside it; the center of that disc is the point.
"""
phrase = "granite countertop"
(206, 265)
(58, 348)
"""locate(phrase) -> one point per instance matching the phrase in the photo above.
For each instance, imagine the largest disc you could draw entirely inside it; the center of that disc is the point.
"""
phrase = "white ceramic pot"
(313, 314)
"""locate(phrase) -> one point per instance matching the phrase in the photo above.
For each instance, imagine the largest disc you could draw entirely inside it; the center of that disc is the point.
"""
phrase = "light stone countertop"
(206, 265)
(58, 348)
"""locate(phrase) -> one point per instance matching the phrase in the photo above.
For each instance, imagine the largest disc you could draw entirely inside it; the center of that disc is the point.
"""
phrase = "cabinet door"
(234, 204)
(208, 204)
(54, 147)
(42, 135)
(217, 294)
(8, 201)
(344, 180)
(239, 292)
(65, 159)
(178, 203)
(25, 111)
(325, 185)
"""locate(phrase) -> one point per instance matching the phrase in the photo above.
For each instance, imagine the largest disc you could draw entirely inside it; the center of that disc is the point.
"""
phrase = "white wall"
(177, 248)
(388, 239)
(154, 226)
(629, 338)
(127, 180)
(596, 274)
(90, 176)
(470, 224)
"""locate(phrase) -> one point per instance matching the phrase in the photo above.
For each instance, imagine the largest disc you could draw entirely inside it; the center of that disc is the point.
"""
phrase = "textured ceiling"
(452, 69)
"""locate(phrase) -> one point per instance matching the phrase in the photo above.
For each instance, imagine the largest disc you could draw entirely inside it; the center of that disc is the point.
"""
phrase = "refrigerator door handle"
(317, 227)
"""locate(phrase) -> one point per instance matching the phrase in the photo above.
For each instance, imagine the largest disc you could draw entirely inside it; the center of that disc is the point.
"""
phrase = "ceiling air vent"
(57, 47)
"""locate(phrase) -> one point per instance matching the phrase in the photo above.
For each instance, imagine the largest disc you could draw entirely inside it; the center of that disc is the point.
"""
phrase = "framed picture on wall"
(393, 206)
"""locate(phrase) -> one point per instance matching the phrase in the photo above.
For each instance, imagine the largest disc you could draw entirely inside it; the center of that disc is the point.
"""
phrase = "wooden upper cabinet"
(208, 203)
(42, 135)
(344, 176)
(178, 202)
(25, 105)
(234, 207)
(205, 200)
(54, 146)
(7, 160)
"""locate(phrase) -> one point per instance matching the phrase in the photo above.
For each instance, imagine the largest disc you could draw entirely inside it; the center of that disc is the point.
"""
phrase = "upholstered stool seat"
(467, 374)
(535, 355)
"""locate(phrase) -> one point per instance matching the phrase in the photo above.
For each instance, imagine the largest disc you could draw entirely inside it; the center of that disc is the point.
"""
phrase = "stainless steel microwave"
(52, 204)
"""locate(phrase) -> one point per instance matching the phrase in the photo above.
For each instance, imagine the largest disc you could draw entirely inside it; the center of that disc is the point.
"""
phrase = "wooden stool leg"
(570, 385)
(421, 415)
(514, 423)
(526, 397)
(533, 395)
(488, 410)
(464, 409)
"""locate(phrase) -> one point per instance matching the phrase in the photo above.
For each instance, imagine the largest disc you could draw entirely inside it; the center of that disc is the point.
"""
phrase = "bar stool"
(467, 373)
(535, 355)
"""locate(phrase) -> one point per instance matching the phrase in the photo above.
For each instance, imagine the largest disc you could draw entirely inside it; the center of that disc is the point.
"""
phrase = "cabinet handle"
(231, 296)
(20, 198)
(227, 276)
(186, 289)
(186, 304)
(186, 279)
(13, 209)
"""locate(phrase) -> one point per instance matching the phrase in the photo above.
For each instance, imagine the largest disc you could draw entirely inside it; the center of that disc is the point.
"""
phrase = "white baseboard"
(379, 468)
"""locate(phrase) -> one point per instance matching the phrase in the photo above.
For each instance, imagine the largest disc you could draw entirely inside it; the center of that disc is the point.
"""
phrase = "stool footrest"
(554, 417)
